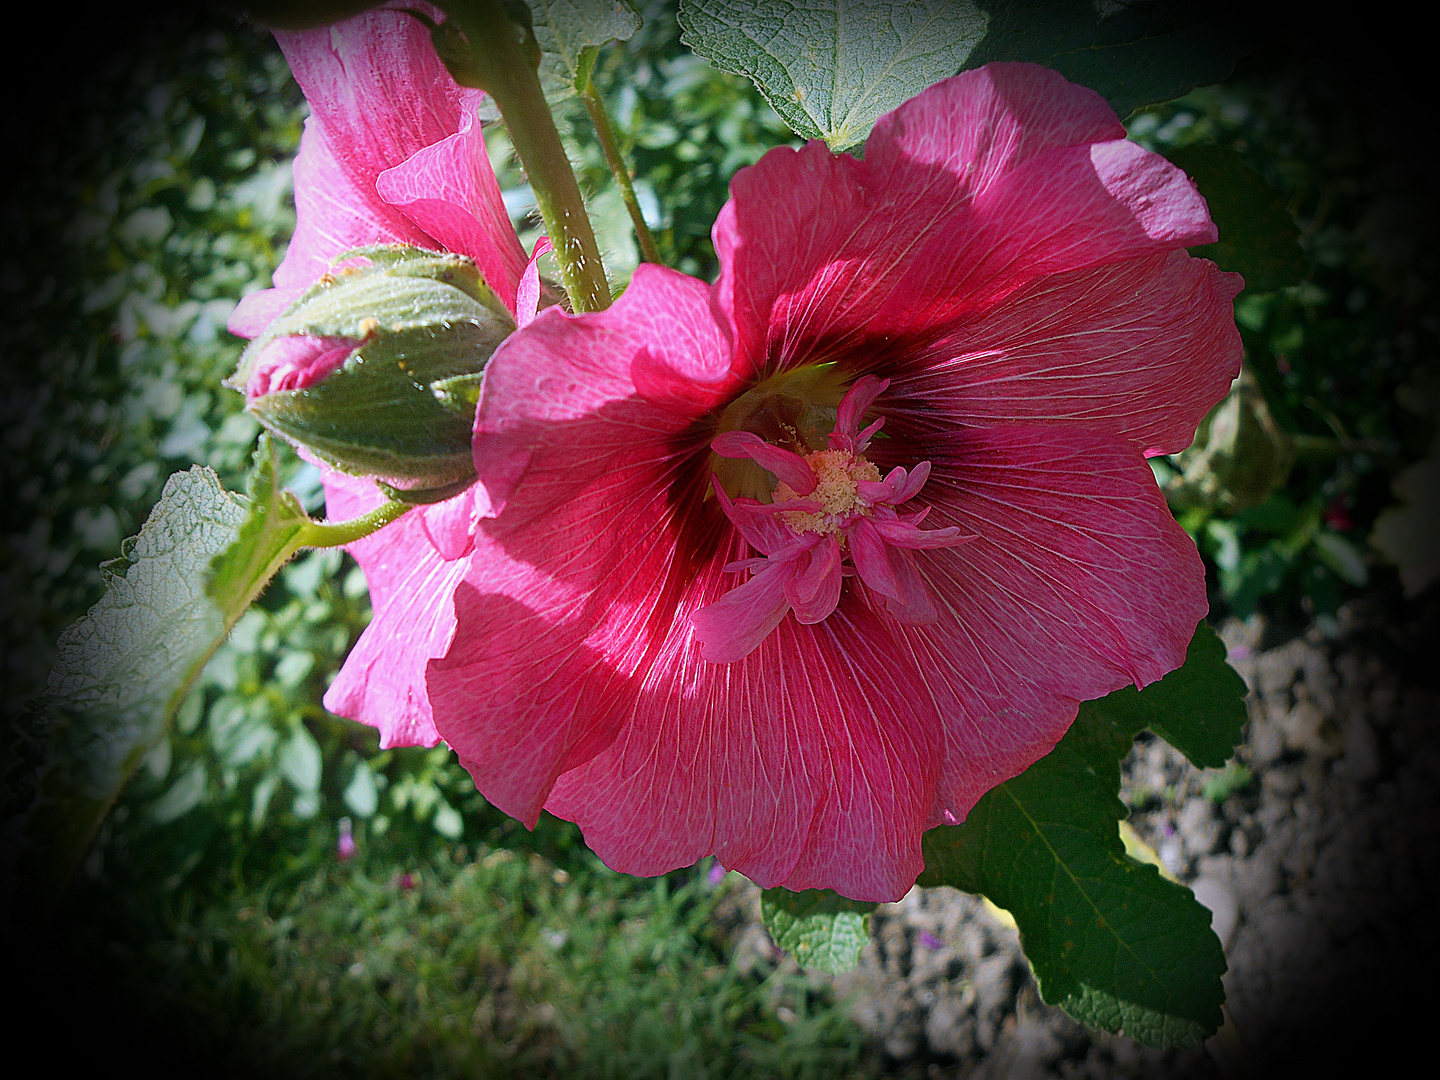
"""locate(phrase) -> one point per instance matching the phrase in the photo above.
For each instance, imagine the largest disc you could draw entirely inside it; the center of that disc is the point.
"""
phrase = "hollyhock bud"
(375, 369)
(1240, 453)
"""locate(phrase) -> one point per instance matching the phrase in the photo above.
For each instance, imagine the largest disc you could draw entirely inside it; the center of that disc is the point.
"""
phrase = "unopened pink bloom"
(1002, 280)
(392, 153)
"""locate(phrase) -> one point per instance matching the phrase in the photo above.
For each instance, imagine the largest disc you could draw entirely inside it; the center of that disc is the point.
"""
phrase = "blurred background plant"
(439, 933)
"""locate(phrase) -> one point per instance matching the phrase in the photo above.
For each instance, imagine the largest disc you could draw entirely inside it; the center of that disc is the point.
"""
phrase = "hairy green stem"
(323, 534)
(507, 74)
(595, 105)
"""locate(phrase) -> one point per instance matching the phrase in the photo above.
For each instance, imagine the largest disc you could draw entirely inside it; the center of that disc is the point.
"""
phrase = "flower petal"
(449, 190)
(377, 89)
(1078, 581)
(382, 682)
(807, 764)
(789, 467)
(332, 215)
(1143, 348)
(976, 188)
(733, 626)
(813, 589)
(564, 369)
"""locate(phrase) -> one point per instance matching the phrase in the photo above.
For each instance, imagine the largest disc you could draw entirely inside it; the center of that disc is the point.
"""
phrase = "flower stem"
(595, 105)
(505, 72)
(323, 534)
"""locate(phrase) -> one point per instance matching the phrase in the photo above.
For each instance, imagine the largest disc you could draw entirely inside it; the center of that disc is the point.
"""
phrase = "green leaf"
(121, 672)
(1134, 54)
(1258, 237)
(1199, 708)
(1110, 941)
(570, 32)
(819, 927)
(831, 67)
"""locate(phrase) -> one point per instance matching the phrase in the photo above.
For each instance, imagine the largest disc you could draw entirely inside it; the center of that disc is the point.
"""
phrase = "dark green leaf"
(1258, 237)
(1199, 708)
(831, 68)
(1110, 941)
(1134, 54)
(819, 927)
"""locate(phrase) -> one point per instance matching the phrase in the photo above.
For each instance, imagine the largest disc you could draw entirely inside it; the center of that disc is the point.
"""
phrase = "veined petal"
(982, 185)
(565, 369)
(1078, 581)
(734, 625)
(789, 467)
(449, 190)
(805, 765)
(332, 215)
(377, 88)
(382, 682)
(813, 588)
(1143, 348)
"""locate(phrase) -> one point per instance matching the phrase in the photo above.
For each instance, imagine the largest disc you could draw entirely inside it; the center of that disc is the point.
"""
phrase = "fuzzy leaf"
(819, 927)
(1111, 942)
(1199, 708)
(199, 560)
(570, 32)
(831, 67)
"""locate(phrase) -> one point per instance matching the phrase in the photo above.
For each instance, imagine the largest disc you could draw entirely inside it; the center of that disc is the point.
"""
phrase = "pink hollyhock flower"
(392, 153)
(791, 568)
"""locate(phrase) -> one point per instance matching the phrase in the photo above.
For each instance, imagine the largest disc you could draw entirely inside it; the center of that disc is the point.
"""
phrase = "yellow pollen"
(837, 476)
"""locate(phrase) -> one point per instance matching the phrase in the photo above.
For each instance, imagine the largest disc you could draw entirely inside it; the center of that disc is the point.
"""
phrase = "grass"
(479, 963)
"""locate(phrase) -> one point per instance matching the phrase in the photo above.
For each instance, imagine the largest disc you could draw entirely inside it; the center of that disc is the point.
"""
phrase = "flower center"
(837, 490)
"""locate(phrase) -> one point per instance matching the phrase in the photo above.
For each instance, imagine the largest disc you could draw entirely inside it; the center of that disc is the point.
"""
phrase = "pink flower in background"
(392, 153)
(791, 568)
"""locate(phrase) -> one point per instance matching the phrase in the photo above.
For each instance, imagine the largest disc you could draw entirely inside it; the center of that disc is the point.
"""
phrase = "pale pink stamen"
(827, 506)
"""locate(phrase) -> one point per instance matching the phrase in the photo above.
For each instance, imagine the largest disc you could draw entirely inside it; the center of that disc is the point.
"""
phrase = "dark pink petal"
(332, 215)
(891, 572)
(382, 682)
(856, 403)
(813, 587)
(807, 764)
(789, 467)
(1143, 348)
(527, 294)
(1078, 582)
(757, 523)
(449, 190)
(565, 370)
(904, 534)
(293, 363)
(733, 626)
(377, 89)
(980, 186)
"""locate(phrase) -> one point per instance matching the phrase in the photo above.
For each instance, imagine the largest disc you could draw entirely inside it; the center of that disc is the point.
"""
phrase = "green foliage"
(1133, 54)
(480, 961)
(570, 33)
(832, 68)
(819, 927)
(1337, 355)
(1258, 237)
(1111, 942)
